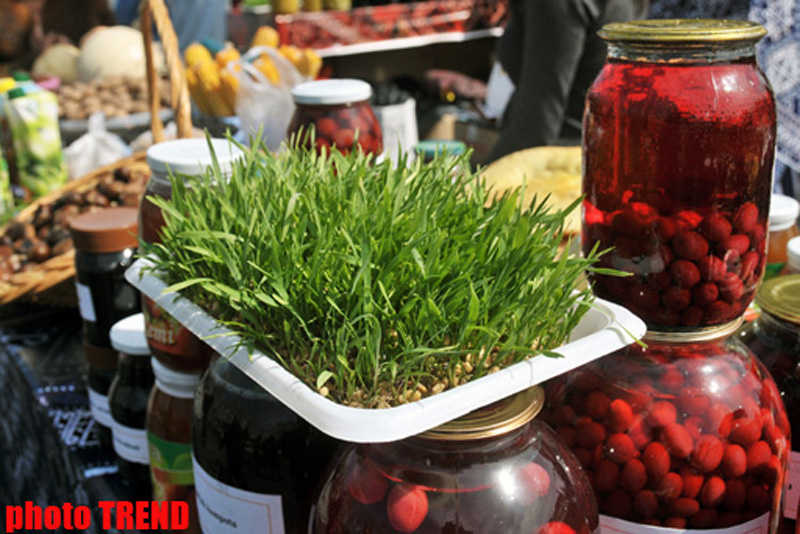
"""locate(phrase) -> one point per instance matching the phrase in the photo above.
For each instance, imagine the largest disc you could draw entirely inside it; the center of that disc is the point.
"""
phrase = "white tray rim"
(605, 328)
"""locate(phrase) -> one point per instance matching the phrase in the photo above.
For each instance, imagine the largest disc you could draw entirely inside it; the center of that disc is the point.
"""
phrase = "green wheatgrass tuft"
(374, 283)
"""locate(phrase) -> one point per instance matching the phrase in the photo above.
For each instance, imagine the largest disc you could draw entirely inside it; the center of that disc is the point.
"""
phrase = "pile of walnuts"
(115, 96)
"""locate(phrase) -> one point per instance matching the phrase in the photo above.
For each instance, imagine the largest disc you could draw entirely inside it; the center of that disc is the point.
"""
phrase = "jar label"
(613, 525)
(101, 411)
(130, 443)
(224, 509)
(85, 303)
(164, 333)
(791, 486)
(170, 467)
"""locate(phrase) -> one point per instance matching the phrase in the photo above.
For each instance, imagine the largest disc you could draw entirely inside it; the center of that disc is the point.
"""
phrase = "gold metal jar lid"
(683, 31)
(499, 418)
(694, 335)
(780, 297)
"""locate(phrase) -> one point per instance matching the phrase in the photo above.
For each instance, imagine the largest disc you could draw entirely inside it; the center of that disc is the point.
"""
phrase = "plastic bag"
(261, 105)
(94, 149)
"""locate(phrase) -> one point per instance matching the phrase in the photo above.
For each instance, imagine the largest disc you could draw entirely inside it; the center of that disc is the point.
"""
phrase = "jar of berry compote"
(678, 144)
(775, 338)
(339, 113)
(688, 433)
(498, 469)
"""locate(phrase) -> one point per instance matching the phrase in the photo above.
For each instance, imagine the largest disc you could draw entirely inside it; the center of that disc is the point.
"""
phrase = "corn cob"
(309, 63)
(230, 86)
(268, 69)
(265, 36)
(226, 55)
(196, 90)
(196, 54)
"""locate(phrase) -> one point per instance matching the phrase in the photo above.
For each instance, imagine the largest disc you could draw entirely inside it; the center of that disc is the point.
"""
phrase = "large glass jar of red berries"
(497, 469)
(688, 432)
(679, 136)
(339, 113)
(775, 338)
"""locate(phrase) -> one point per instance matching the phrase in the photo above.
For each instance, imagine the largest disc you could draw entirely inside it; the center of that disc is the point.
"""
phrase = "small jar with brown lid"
(498, 469)
(105, 245)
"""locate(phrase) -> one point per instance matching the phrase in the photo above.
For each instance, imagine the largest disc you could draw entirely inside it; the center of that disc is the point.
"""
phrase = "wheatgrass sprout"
(375, 283)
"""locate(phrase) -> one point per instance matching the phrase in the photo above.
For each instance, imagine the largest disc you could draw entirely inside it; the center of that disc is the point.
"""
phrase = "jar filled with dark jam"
(678, 145)
(127, 398)
(687, 433)
(169, 439)
(171, 343)
(495, 470)
(775, 338)
(102, 369)
(105, 245)
(340, 114)
(256, 462)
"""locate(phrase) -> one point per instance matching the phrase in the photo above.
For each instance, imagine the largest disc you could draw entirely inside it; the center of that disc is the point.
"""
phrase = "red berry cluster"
(689, 268)
(407, 505)
(693, 443)
(344, 127)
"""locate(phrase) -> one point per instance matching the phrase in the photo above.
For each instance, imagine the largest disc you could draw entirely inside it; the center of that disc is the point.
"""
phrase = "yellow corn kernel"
(226, 55)
(310, 63)
(196, 54)
(266, 36)
(292, 53)
(268, 69)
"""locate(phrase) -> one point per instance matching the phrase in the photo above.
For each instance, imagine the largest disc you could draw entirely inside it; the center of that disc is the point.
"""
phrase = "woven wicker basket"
(52, 281)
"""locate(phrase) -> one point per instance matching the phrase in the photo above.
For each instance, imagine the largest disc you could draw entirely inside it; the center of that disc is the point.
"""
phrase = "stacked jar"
(127, 397)
(171, 343)
(105, 244)
(498, 469)
(688, 430)
(169, 439)
(256, 462)
(775, 338)
(339, 113)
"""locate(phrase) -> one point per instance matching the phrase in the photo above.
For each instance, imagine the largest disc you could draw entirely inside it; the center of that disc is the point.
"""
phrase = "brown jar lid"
(107, 230)
(104, 358)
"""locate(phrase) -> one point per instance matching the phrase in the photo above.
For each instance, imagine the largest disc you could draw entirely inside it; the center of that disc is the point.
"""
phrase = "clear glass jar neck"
(681, 53)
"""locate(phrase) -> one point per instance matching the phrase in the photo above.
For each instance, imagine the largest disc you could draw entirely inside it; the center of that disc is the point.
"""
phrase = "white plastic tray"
(601, 331)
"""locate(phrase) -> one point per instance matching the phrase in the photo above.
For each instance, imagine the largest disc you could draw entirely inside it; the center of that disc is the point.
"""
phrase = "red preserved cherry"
(407, 507)
(746, 217)
(556, 527)
(715, 227)
(690, 245)
(685, 273)
(366, 485)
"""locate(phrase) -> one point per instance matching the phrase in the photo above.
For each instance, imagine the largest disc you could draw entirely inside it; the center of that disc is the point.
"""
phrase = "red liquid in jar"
(678, 163)
(697, 435)
(342, 126)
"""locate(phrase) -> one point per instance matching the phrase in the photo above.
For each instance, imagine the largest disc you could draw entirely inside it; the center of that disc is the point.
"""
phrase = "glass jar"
(783, 213)
(793, 256)
(127, 398)
(102, 369)
(678, 144)
(256, 462)
(171, 343)
(689, 432)
(775, 338)
(340, 114)
(169, 438)
(495, 470)
(105, 245)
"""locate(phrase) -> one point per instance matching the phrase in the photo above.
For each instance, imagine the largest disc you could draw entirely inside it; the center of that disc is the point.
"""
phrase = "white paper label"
(100, 410)
(85, 302)
(226, 510)
(130, 443)
(612, 525)
(791, 486)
